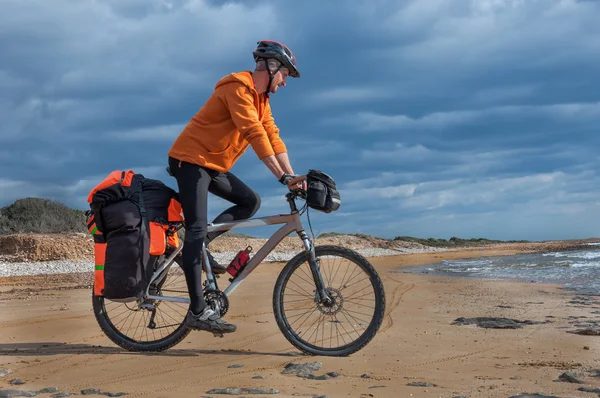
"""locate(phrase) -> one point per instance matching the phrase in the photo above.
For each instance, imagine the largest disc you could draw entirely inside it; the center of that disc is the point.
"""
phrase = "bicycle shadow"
(53, 348)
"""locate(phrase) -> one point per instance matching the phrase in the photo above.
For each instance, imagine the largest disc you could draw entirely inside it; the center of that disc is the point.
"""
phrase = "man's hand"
(286, 178)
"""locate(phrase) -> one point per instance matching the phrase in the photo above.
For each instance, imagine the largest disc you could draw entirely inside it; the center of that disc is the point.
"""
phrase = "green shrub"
(37, 215)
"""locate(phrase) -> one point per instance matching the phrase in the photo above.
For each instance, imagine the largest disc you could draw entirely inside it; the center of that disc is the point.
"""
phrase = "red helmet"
(272, 49)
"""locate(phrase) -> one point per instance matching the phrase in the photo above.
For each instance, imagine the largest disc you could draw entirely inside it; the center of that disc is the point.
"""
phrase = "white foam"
(584, 255)
(585, 265)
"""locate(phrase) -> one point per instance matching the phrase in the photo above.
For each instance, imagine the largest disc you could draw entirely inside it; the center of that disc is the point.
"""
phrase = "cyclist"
(236, 115)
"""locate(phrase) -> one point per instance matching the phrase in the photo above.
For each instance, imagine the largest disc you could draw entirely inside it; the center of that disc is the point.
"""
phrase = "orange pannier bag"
(129, 220)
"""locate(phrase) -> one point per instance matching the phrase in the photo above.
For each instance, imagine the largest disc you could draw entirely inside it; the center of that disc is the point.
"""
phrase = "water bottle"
(239, 262)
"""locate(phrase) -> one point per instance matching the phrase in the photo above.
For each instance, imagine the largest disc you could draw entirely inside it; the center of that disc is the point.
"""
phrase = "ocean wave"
(586, 265)
(582, 255)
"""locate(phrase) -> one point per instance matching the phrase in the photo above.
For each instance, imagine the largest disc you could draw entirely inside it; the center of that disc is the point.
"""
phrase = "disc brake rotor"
(336, 305)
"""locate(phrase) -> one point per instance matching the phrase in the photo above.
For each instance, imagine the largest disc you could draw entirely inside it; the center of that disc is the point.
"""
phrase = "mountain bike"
(315, 312)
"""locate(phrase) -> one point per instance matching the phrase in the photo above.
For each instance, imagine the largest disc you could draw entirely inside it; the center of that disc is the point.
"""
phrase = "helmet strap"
(268, 91)
(271, 75)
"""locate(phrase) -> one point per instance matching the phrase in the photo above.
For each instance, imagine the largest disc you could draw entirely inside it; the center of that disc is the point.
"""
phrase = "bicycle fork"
(315, 269)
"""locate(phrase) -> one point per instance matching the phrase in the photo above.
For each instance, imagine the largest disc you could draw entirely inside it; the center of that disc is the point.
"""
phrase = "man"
(236, 115)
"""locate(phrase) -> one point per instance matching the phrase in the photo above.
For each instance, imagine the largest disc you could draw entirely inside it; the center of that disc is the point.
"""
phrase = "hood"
(245, 77)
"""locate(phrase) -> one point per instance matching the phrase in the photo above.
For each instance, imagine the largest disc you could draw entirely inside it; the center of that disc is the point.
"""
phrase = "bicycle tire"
(126, 342)
(374, 324)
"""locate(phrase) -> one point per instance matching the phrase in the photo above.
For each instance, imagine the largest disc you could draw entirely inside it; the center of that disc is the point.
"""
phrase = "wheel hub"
(332, 307)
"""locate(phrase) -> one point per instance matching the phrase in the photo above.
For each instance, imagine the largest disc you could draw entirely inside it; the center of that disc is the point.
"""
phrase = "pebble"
(235, 366)
(50, 390)
(421, 384)
(17, 382)
(45, 267)
(96, 391)
(75, 266)
(301, 368)
(587, 332)
(494, 323)
(90, 391)
(239, 391)
(570, 377)
(259, 377)
(589, 389)
(311, 376)
(17, 393)
(5, 372)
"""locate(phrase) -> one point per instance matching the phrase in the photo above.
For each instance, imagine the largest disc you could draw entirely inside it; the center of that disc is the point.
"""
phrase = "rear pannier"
(128, 219)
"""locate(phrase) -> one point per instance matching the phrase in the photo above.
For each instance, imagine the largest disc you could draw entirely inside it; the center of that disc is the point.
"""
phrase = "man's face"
(280, 77)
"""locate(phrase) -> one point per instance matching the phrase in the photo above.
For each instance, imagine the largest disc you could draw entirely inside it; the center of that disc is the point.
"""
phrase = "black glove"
(286, 178)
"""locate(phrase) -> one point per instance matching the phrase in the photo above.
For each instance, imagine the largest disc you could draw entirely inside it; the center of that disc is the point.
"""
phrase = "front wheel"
(344, 325)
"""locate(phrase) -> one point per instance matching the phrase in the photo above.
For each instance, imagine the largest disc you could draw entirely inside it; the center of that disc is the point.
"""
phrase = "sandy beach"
(49, 338)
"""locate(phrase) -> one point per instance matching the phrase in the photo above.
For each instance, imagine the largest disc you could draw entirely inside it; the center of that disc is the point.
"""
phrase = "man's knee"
(253, 203)
(194, 232)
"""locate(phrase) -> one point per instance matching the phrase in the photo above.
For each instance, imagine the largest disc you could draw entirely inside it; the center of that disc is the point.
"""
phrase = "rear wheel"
(147, 325)
(343, 326)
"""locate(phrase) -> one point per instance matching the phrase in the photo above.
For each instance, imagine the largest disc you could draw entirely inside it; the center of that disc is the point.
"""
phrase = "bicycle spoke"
(306, 318)
(300, 289)
(346, 286)
(351, 324)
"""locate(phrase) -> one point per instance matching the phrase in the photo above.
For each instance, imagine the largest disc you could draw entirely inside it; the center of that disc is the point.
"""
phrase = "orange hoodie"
(234, 117)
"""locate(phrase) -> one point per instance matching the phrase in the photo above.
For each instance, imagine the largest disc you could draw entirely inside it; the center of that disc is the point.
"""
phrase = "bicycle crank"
(218, 301)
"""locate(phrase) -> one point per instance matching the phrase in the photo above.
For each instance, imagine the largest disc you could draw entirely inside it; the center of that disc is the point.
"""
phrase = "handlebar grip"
(297, 180)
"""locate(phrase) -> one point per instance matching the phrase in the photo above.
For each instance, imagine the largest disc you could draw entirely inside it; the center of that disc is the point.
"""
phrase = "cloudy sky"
(437, 118)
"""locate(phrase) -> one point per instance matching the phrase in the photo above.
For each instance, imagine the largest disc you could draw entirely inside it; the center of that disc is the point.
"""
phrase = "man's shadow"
(53, 348)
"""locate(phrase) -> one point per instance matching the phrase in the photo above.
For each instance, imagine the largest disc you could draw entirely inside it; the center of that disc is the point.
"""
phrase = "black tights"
(194, 183)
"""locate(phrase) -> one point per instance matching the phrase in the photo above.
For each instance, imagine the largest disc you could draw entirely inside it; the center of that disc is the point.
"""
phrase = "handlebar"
(297, 180)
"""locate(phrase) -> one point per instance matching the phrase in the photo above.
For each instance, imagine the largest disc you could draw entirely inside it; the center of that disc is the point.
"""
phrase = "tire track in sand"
(33, 321)
(397, 296)
(186, 363)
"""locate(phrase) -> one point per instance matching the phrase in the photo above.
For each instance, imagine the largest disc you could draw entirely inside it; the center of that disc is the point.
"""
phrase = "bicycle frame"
(291, 223)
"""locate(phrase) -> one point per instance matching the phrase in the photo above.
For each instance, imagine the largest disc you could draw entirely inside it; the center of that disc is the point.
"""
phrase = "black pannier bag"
(322, 192)
(128, 220)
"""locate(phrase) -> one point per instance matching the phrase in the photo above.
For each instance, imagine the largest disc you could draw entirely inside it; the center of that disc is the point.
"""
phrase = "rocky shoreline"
(33, 254)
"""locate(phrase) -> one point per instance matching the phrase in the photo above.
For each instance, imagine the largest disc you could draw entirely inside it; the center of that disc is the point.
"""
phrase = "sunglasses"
(275, 65)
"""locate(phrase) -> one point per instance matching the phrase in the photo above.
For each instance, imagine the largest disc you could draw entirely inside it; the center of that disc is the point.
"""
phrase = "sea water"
(575, 270)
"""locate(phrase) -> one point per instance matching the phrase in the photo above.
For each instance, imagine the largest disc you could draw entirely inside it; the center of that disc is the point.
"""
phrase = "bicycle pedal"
(221, 335)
